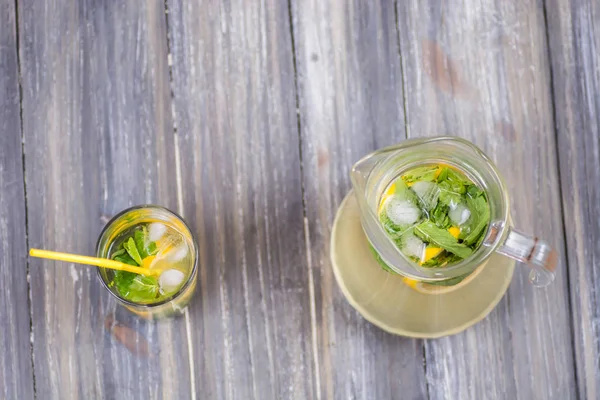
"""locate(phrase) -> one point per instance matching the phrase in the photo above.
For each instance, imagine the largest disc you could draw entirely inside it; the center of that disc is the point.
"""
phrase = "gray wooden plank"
(234, 107)
(480, 71)
(16, 375)
(574, 36)
(98, 138)
(351, 102)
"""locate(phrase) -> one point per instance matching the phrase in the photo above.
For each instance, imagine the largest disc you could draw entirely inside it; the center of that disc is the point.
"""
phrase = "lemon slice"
(430, 252)
(148, 261)
(390, 191)
(454, 231)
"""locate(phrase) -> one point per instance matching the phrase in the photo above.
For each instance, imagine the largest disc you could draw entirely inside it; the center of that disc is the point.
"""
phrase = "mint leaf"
(117, 253)
(125, 258)
(480, 218)
(143, 243)
(395, 232)
(428, 194)
(136, 288)
(441, 260)
(151, 249)
(450, 193)
(139, 238)
(143, 289)
(443, 175)
(473, 191)
(388, 224)
(457, 178)
(133, 251)
(430, 233)
(452, 186)
(426, 174)
(439, 216)
(122, 280)
(438, 261)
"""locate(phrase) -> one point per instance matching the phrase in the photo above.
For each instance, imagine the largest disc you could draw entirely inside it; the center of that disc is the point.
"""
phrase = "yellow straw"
(99, 262)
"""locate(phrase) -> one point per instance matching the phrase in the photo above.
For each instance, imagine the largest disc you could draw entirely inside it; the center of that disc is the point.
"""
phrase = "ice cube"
(412, 246)
(169, 240)
(178, 253)
(402, 212)
(156, 231)
(172, 248)
(459, 214)
(428, 193)
(170, 280)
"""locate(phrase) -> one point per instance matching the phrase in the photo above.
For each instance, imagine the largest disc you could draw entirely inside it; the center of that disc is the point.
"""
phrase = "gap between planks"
(29, 292)
(311, 282)
(406, 136)
(180, 209)
(560, 186)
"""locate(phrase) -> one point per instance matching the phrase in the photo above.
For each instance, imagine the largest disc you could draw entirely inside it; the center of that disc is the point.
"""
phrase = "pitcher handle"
(535, 253)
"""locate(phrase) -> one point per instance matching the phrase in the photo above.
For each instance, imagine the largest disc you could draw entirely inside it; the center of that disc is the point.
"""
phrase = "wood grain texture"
(574, 36)
(351, 102)
(480, 71)
(234, 107)
(16, 378)
(248, 128)
(98, 138)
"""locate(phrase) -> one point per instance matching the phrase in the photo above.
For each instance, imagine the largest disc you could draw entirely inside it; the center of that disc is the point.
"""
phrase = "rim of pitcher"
(498, 224)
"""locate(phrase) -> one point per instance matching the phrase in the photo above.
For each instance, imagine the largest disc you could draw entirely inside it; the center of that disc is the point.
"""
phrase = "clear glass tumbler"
(147, 214)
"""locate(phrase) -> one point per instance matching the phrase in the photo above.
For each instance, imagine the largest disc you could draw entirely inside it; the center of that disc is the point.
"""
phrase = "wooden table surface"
(245, 117)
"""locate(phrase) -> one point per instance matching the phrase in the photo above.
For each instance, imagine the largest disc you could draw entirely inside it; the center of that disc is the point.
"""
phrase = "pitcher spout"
(359, 175)
(363, 171)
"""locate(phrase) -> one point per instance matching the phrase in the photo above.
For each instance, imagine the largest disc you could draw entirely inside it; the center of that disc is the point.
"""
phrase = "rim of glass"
(183, 287)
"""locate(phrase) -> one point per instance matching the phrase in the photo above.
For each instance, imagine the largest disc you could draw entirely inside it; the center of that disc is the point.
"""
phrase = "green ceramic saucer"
(386, 301)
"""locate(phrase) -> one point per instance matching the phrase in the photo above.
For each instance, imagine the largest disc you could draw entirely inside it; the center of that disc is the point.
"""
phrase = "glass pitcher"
(372, 175)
